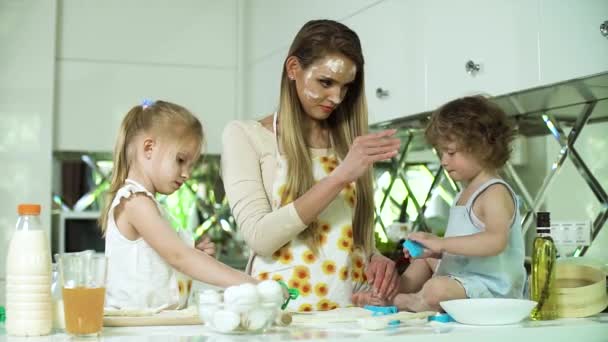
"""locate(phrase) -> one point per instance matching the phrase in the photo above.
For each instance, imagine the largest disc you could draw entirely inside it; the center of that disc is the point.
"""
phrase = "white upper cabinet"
(571, 41)
(394, 63)
(499, 40)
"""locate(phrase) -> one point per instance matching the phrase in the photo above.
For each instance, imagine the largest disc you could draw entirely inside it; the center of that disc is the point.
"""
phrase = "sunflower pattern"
(284, 196)
(263, 276)
(329, 163)
(301, 272)
(305, 308)
(343, 273)
(325, 279)
(324, 227)
(309, 257)
(324, 304)
(350, 195)
(321, 289)
(328, 267)
(305, 289)
(283, 255)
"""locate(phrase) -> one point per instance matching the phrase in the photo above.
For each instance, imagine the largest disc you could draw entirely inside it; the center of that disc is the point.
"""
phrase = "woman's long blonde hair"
(161, 118)
(314, 41)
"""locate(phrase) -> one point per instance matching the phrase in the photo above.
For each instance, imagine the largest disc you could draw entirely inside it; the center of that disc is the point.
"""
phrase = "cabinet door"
(391, 41)
(499, 36)
(571, 44)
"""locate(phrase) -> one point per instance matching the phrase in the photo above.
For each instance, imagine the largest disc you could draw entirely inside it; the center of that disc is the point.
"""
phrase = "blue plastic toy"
(442, 318)
(381, 310)
(414, 248)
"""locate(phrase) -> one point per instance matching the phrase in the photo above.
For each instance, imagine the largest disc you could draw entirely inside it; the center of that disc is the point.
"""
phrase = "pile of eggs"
(241, 308)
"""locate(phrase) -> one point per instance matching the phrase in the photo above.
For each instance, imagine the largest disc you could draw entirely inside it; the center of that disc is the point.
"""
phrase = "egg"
(270, 291)
(241, 298)
(257, 319)
(226, 321)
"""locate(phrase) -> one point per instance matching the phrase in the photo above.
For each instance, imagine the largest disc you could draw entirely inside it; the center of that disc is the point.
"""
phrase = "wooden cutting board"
(169, 317)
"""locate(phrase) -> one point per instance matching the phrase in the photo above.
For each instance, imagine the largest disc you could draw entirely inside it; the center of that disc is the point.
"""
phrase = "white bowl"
(488, 311)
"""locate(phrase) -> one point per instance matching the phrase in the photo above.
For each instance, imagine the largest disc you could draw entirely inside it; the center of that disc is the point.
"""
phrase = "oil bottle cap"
(543, 220)
(28, 209)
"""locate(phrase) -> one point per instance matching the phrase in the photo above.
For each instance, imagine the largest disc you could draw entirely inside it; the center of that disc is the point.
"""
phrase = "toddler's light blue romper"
(501, 276)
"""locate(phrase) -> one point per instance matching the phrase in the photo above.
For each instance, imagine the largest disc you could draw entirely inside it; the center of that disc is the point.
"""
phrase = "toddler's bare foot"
(412, 302)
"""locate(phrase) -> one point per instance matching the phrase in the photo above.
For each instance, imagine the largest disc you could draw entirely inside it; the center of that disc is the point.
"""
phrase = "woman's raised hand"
(365, 151)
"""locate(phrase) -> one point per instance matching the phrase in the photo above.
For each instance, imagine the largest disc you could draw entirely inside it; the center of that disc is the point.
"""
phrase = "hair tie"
(146, 103)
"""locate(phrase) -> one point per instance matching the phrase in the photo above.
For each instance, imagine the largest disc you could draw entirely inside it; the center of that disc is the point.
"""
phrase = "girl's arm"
(143, 215)
(495, 208)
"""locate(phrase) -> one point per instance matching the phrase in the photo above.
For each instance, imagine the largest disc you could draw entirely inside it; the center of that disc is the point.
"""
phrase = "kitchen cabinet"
(394, 62)
(571, 42)
(417, 55)
(477, 46)
(92, 99)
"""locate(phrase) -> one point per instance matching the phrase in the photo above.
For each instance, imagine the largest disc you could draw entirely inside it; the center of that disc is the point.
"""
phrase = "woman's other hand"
(382, 274)
(364, 152)
(368, 298)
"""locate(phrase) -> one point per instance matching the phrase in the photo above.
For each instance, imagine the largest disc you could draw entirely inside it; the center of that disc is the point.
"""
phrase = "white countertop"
(592, 329)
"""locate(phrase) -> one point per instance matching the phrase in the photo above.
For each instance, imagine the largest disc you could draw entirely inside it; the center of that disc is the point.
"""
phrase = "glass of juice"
(84, 278)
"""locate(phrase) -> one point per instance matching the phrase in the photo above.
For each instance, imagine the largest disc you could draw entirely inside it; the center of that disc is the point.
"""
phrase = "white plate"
(488, 311)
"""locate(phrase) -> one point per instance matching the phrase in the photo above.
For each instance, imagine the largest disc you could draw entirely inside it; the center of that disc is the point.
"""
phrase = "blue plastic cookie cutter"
(441, 317)
(416, 250)
(381, 310)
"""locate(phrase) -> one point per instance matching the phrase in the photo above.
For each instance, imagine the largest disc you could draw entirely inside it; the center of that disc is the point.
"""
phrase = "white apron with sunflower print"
(328, 279)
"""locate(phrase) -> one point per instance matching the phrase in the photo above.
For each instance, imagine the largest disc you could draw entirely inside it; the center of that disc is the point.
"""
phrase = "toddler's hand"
(433, 245)
(206, 246)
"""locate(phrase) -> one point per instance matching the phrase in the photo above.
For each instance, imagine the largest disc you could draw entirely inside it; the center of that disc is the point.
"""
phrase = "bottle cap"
(543, 219)
(28, 209)
(543, 231)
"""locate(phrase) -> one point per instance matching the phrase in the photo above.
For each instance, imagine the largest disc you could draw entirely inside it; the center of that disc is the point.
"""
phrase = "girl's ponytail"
(129, 127)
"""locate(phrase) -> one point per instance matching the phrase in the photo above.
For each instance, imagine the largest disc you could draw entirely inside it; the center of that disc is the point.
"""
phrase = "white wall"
(112, 54)
(27, 38)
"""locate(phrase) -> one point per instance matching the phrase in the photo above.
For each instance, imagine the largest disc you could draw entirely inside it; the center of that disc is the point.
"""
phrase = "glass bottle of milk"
(28, 276)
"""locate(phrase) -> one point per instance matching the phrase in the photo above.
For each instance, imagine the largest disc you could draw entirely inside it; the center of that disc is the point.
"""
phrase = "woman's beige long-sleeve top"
(248, 167)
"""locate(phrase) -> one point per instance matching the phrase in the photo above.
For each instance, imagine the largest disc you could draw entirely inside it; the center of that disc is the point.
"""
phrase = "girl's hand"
(433, 245)
(364, 152)
(206, 246)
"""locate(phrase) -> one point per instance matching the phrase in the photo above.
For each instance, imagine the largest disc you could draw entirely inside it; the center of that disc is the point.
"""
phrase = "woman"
(299, 181)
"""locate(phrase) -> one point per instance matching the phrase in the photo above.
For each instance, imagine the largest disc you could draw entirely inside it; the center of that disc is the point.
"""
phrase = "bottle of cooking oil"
(542, 283)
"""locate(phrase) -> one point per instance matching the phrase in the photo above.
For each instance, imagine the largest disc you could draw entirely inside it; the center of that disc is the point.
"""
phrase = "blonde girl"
(158, 144)
(299, 181)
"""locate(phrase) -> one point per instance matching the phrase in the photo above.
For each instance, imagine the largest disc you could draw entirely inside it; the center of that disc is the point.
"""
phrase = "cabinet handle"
(382, 93)
(472, 68)
(604, 29)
